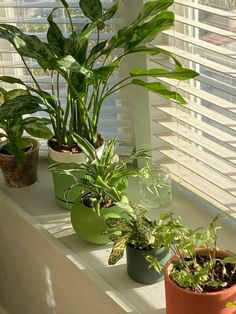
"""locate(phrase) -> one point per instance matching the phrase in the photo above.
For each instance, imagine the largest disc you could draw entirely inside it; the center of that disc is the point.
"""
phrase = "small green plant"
(87, 66)
(14, 105)
(200, 272)
(102, 179)
(137, 230)
(230, 304)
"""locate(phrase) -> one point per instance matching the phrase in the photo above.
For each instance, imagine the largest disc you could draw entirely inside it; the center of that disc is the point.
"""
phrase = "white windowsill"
(37, 206)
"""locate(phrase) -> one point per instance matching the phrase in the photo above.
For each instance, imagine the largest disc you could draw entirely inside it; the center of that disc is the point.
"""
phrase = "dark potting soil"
(4, 151)
(226, 274)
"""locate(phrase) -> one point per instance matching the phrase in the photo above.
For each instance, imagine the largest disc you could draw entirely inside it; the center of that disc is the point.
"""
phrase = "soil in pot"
(20, 173)
(210, 301)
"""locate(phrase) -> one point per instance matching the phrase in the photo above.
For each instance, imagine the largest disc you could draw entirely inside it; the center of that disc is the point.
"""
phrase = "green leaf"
(55, 37)
(38, 129)
(91, 9)
(148, 31)
(111, 11)
(87, 148)
(104, 72)
(96, 50)
(230, 304)
(14, 150)
(177, 73)
(3, 93)
(153, 7)
(160, 89)
(20, 105)
(154, 51)
(11, 80)
(68, 63)
(118, 249)
(23, 142)
(230, 259)
(16, 92)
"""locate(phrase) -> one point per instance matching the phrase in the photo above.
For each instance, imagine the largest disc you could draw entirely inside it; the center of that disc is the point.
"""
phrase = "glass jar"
(155, 187)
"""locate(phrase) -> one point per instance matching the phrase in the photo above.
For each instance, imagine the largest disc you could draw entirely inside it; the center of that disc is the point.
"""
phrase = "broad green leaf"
(111, 11)
(16, 92)
(24, 142)
(91, 9)
(20, 105)
(38, 129)
(151, 8)
(55, 37)
(104, 72)
(11, 80)
(68, 63)
(9, 32)
(96, 50)
(160, 89)
(177, 73)
(148, 31)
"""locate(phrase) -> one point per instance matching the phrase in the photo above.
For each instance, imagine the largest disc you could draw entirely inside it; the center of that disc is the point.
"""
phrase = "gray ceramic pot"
(138, 267)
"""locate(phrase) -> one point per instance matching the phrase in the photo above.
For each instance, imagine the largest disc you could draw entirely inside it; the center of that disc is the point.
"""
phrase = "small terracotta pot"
(181, 301)
(22, 173)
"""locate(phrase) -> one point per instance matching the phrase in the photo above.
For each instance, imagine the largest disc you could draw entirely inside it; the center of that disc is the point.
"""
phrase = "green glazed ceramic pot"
(88, 225)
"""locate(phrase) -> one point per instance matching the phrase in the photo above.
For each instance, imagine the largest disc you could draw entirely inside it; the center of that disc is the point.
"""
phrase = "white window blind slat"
(198, 141)
(200, 125)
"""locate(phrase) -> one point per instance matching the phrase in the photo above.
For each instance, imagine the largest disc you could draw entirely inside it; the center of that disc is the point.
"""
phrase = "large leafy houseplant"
(146, 242)
(100, 181)
(18, 150)
(87, 67)
(199, 278)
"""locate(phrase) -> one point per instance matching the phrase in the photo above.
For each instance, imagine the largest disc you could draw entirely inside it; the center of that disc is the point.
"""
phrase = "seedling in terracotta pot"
(200, 277)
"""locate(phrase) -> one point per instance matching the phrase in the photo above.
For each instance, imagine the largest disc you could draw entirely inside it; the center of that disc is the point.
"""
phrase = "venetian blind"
(31, 17)
(198, 141)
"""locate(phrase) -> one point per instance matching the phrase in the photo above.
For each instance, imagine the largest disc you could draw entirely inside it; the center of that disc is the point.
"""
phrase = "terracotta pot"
(181, 301)
(61, 182)
(138, 267)
(22, 173)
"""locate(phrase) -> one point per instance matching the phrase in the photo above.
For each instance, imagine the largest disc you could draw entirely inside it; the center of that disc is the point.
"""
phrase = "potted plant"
(18, 154)
(146, 242)
(87, 69)
(199, 278)
(100, 181)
